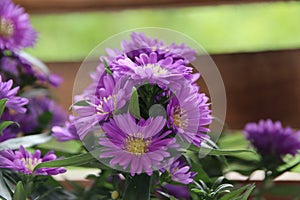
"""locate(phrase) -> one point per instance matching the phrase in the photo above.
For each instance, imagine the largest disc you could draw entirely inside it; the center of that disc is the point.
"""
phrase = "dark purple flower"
(189, 114)
(180, 172)
(271, 139)
(14, 103)
(178, 191)
(67, 132)
(140, 43)
(16, 31)
(25, 162)
(137, 147)
(42, 114)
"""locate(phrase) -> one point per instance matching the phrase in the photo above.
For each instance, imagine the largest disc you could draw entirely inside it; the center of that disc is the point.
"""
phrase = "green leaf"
(134, 107)
(245, 191)
(2, 106)
(4, 125)
(157, 110)
(107, 68)
(206, 150)
(70, 161)
(4, 191)
(79, 103)
(19, 192)
(138, 188)
(26, 141)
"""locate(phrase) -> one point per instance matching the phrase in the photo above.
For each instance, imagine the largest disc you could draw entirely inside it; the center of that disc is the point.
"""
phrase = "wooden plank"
(43, 6)
(258, 85)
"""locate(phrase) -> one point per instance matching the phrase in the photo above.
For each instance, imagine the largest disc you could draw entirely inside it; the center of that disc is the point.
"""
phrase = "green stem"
(138, 188)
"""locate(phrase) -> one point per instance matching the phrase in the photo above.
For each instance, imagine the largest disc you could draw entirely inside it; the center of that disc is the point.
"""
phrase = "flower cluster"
(29, 77)
(143, 107)
(25, 162)
(272, 140)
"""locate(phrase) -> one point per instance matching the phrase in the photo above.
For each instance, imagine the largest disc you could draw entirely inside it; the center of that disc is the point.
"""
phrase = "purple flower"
(189, 114)
(16, 31)
(66, 133)
(271, 139)
(25, 162)
(178, 191)
(108, 95)
(140, 43)
(164, 72)
(138, 147)
(42, 114)
(14, 102)
(180, 172)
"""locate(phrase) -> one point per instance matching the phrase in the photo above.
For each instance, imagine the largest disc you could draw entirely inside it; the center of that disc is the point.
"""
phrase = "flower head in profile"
(25, 162)
(189, 114)
(67, 132)
(271, 139)
(16, 31)
(14, 102)
(138, 147)
(180, 172)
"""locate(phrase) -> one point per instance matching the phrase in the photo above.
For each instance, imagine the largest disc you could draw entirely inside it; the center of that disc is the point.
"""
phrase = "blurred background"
(255, 45)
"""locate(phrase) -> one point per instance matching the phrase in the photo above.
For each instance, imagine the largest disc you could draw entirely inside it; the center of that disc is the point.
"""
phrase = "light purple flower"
(16, 31)
(14, 102)
(271, 139)
(164, 72)
(67, 132)
(180, 172)
(137, 147)
(189, 114)
(25, 162)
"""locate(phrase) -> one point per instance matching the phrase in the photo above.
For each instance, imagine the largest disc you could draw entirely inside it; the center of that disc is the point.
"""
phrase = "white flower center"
(6, 28)
(157, 69)
(31, 163)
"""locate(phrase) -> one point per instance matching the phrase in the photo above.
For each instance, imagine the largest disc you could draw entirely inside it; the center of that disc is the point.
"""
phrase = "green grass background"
(219, 29)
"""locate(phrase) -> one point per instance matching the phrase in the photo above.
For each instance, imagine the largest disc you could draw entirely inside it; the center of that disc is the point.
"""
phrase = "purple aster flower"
(110, 94)
(189, 114)
(25, 162)
(271, 139)
(42, 114)
(14, 102)
(140, 43)
(16, 31)
(137, 147)
(66, 133)
(164, 72)
(180, 192)
(180, 172)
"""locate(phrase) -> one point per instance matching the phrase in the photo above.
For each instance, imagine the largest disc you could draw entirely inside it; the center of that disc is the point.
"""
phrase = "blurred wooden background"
(258, 85)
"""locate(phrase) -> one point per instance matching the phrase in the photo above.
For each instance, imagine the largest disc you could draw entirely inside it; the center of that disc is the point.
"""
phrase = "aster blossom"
(14, 102)
(137, 147)
(16, 31)
(272, 139)
(25, 162)
(180, 172)
(67, 132)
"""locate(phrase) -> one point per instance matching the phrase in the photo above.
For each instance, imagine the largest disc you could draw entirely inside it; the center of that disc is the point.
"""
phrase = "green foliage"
(134, 106)
(138, 188)
(20, 193)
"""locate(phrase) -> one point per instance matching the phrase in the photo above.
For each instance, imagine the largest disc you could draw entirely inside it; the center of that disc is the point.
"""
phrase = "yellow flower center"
(137, 146)
(180, 118)
(30, 164)
(157, 69)
(6, 28)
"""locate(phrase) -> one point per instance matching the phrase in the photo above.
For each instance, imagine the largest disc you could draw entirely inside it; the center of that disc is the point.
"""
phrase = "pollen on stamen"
(6, 28)
(137, 146)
